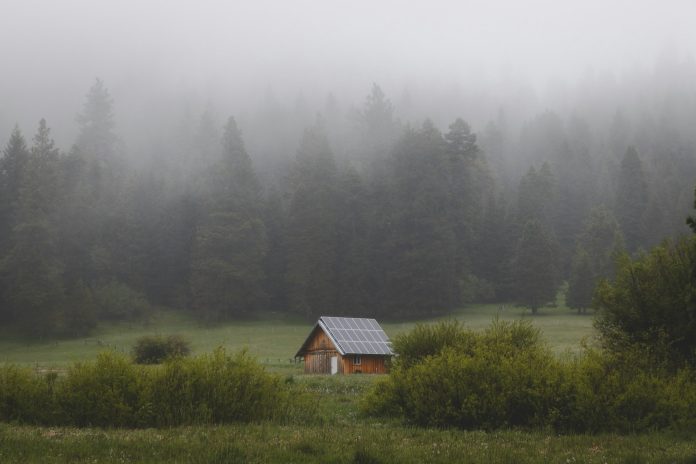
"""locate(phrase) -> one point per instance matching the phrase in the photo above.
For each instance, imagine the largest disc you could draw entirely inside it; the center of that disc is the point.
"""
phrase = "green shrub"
(102, 393)
(155, 349)
(651, 304)
(26, 397)
(428, 340)
(214, 388)
(505, 377)
(114, 392)
(494, 387)
(623, 394)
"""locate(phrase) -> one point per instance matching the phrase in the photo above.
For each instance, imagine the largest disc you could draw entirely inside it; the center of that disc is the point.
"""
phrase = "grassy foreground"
(374, 443)
(338, 434)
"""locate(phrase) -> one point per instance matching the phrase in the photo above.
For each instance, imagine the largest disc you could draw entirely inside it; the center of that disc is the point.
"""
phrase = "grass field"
(338, 433)
(274, 340)
(375, 444)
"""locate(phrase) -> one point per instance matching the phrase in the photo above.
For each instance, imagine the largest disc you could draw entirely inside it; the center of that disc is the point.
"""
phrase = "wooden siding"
(320, 341)
(368, 364)
(319, 362)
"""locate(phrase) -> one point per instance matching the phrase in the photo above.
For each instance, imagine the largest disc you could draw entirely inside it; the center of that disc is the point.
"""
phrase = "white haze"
(157, 57)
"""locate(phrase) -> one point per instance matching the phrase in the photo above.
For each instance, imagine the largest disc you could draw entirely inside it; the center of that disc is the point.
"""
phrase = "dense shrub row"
(113, 391)
(505, 376)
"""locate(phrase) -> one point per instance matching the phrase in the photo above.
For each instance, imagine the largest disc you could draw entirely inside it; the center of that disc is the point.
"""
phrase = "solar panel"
(358, 335)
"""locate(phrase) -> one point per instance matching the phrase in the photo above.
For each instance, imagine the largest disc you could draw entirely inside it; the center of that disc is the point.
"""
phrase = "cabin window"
(357, 360)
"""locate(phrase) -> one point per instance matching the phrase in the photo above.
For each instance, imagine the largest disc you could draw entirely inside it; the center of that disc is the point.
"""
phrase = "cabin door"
(334, 365)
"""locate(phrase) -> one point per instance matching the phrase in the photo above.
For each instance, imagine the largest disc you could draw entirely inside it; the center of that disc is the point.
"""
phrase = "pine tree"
(418, 249)
(312, 233)
(598, 245)
(31, 270)
(12, 170)
(12, 167)
(97, 139)
(230, 245)
(468, 182)
(353, 259)
(535, 267)
(377, 127)
(537, 196)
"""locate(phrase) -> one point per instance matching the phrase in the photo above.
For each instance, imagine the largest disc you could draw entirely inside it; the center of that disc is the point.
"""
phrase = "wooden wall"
(319, 362)
(320, 341)
(369, 364)
(319, 352)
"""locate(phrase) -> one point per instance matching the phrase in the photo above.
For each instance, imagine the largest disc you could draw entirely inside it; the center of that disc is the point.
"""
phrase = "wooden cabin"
(346, 345)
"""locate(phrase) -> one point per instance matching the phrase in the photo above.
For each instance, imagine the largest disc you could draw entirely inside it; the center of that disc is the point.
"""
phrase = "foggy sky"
(232, 52)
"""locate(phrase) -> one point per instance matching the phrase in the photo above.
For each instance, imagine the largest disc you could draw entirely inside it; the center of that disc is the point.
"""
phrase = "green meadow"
(274, 339)
(338, 433)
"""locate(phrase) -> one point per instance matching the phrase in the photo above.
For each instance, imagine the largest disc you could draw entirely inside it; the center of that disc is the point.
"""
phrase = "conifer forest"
(385, 206)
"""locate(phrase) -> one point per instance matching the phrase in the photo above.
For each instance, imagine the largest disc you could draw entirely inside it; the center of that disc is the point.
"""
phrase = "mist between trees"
(370, 209)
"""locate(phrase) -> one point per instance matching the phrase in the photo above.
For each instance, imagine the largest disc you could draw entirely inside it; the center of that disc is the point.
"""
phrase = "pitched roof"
(353, 335)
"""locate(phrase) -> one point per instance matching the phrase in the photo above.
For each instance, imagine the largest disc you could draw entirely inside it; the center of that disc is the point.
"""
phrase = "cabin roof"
(352, 335)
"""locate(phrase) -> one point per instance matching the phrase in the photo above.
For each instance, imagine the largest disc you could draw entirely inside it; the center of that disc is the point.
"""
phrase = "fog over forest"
(391, 159)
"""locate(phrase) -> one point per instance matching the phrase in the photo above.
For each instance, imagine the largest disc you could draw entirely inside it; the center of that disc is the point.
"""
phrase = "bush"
(214, 388)
(26, 397)
(506, 377)
(652, 304)
(429, 340)
(155, 349)
(115, 392)
(104, 393)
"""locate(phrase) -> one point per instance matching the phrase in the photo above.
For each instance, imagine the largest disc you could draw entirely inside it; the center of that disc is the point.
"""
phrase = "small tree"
(652, 303)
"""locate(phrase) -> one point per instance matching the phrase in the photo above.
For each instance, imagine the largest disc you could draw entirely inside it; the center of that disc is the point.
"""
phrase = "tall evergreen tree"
(313, 219)
(535, 267)
(353, 259)
(470, 188)
(31, 270)
(377, 129)
(537, 196)
(97, 139)
(598, 246)
(13, 165)
(229, 248)
(418, 251)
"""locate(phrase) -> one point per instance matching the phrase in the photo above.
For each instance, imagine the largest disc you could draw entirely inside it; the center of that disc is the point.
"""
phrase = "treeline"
(385, 219)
